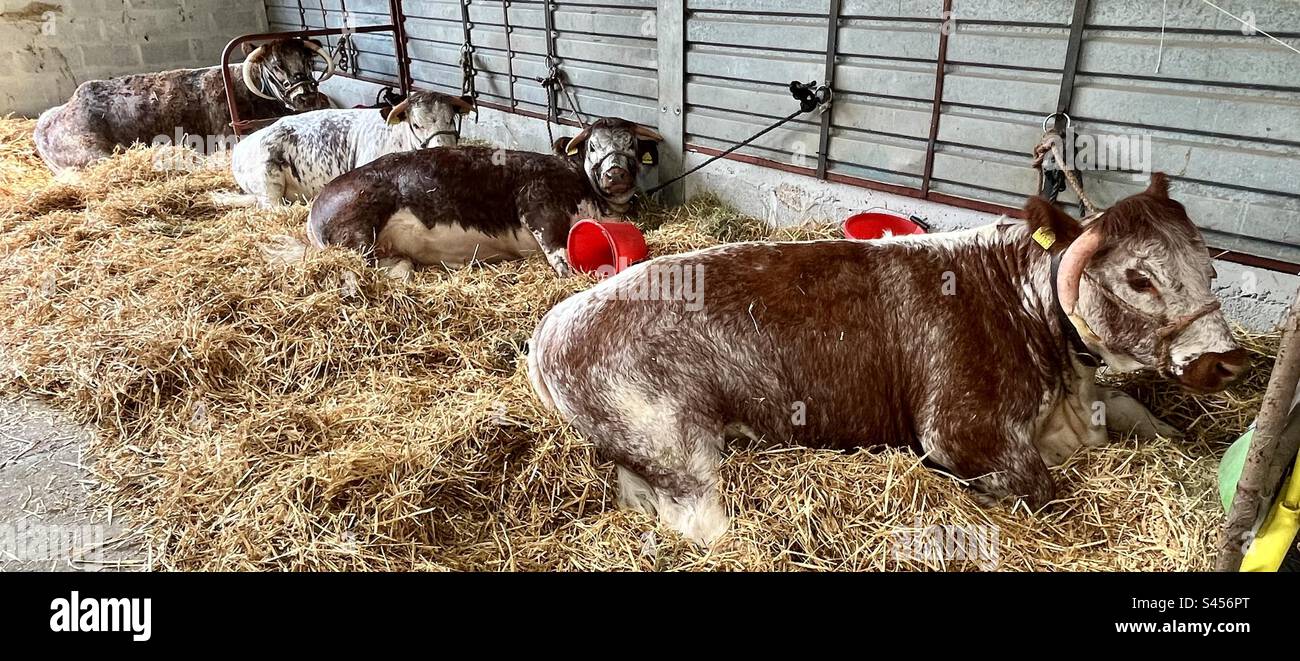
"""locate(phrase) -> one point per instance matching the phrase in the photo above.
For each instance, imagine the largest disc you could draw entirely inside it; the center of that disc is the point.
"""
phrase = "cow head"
(431, 119)
(611, 151)
(282, 71)
(1135, 282)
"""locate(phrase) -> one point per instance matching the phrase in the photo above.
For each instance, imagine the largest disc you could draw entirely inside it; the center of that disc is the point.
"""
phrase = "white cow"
(296, 156)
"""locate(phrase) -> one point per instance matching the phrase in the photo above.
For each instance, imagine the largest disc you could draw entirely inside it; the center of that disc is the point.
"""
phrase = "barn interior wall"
(50, 47)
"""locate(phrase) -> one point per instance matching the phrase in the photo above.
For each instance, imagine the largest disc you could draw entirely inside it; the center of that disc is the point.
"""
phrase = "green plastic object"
(1230, 467)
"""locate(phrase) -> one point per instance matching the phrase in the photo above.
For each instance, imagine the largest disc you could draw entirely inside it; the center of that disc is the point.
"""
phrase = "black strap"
(810, 97)
(1080, 348)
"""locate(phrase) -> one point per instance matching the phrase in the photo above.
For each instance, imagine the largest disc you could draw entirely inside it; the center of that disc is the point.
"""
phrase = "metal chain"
(1052, 180)
(552, 70)
(466, 52)
(345, 56)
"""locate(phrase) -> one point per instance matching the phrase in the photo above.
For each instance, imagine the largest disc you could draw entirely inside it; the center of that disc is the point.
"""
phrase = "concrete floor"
(47, 522)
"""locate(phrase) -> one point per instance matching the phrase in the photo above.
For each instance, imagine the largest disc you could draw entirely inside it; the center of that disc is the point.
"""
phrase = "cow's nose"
(1216, 371)
(617, 175)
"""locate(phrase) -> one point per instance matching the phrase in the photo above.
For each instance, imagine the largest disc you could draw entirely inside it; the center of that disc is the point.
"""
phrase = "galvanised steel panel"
(377, 56)
(1220, 107)
(1209, 59)
(907, 40)
(1279, 16)
(770, 8)
(794, 33)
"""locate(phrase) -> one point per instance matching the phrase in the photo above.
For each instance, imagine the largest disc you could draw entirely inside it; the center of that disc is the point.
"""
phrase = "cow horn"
(464, 103)
(329, 61)
(1073, 262)
(647, 133)
(251, 84)
(397, 114)
(577, 140)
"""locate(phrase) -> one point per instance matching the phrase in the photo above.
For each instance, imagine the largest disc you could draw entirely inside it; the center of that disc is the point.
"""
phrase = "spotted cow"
(977, 348)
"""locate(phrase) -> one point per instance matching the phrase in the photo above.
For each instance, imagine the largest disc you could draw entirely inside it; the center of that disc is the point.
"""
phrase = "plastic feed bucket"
(605, 247)
(879, 225)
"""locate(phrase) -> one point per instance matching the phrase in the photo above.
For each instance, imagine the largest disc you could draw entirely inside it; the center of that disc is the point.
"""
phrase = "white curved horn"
(1073, 262)
(248, 74)
(329, 61)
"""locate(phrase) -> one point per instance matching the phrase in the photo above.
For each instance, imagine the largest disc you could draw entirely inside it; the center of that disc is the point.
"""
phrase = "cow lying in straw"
(295, 157)
(103, 115)
(978, 347)
(455, 206)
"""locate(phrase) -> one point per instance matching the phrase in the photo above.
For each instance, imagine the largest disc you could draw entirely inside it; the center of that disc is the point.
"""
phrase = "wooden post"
(1273, 413)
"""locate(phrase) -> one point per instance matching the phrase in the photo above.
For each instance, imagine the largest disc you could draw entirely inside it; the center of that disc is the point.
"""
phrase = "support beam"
(832, 50)
(946, 25)
(399, 45)
(670, 26)
(1065, 94)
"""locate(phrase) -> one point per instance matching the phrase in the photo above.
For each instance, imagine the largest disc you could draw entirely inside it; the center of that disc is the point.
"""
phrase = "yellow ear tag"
(647, 158)
(1044, 237)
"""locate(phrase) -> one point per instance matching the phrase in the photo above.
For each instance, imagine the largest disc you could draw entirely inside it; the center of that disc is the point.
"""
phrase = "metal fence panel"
(1217, 101)
(376, 54)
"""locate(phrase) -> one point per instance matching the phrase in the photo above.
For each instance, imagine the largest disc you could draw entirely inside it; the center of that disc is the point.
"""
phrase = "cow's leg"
(996, 456)
(550, 226)
(397, 268)
(1127, 415)
(273, 187)
(666, 470)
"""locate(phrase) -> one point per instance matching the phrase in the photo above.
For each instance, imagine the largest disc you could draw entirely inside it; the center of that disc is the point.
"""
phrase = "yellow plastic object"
(1277, 534)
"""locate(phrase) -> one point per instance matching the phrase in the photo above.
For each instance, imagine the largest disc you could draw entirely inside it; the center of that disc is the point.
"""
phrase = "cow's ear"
(1159, 186)
(1051, 227)
(314, 41)
(561, 146)
(647, 151)
(576, 143)
(247, 48)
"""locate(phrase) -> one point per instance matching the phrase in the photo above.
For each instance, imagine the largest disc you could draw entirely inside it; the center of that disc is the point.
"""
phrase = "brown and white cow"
(453, 206)
(103, 115)
(957, 344)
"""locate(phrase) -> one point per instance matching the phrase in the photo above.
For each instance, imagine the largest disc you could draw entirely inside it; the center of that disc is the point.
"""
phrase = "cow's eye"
(1139, 281)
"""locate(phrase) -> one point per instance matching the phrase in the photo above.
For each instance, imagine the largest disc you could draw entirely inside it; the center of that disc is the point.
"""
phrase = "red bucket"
(605, 246)
(878, 224)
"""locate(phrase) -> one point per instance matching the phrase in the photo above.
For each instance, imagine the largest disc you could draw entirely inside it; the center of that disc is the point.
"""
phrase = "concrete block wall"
(48, 47)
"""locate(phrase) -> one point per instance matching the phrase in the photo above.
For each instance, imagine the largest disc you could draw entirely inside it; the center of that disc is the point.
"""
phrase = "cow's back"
(310, 148)
(827, 343)
(483, 188)
(144, 108)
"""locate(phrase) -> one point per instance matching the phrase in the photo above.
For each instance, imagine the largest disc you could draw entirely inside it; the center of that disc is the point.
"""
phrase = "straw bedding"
(315, 415)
